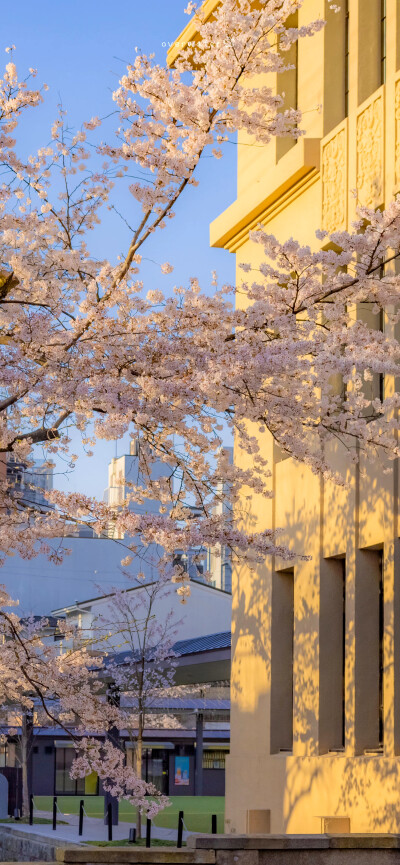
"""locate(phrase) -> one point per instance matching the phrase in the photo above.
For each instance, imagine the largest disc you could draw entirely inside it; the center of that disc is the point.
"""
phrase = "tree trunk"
(113, 736)
(138, 770)
(26, 760)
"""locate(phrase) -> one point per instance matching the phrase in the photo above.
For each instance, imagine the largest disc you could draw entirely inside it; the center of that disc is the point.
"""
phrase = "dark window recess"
(48, 749)
(381, 657)
(382, 330)
(36, 749)
(383, 41)
(343, 696)
(346, 60)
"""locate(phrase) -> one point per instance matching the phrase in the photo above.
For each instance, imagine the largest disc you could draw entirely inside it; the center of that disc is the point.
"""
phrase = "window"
(226, 572)
(381, 657)
(383, 41)
(288, 85)
(282, 661)
(346, 59)
(369, 632)
(332, 655)
(155, 766)
(66, 785)
(213, 759)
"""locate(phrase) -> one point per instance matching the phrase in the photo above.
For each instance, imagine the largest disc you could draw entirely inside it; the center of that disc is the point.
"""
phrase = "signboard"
(182, 771)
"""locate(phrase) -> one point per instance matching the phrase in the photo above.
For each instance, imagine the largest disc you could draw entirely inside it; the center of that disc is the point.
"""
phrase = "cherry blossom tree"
(81, 339)
(65, 689)
(143, 668)
(85, 344)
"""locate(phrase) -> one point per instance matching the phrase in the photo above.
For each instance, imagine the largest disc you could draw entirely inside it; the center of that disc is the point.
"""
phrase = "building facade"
(315, 720)
(92, 565)
(184, 756)
(207, 611)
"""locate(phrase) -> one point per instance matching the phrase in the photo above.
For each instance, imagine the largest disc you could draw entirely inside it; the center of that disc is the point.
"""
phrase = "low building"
(185, 760)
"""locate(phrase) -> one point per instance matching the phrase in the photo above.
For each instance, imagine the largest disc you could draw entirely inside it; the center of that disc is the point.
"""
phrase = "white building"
(207, 611)
(128, 471)
(93, 565)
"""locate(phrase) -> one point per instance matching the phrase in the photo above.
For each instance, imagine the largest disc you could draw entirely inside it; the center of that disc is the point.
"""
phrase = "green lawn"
(197, 810)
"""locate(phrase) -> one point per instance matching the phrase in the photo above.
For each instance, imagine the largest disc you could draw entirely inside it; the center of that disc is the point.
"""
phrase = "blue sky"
(80, 50)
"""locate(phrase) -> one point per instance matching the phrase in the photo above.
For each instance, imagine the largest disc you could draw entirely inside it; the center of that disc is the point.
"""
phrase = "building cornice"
(297, 170)
(190, 33)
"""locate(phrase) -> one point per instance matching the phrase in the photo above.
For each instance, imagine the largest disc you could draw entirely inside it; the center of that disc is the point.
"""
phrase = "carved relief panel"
(334, 181)
(370, 149)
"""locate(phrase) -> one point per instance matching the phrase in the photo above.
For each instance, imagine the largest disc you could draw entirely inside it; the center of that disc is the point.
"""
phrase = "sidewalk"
(94, 829)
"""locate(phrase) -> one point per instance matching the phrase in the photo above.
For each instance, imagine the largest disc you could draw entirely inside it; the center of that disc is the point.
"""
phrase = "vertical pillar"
(391, 569)
(353, 102)
(27, 757)
(113, 697)
(198, 776)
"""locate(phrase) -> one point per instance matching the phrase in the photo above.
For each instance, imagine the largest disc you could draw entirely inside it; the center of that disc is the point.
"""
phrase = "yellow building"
(315, 722)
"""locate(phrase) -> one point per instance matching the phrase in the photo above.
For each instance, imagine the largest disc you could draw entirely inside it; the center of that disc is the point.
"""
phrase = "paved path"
(93, 829)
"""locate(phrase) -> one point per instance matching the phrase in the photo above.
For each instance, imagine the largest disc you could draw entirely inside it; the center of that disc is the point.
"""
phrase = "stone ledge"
(293, 842)
(147, 856)
(33, 836)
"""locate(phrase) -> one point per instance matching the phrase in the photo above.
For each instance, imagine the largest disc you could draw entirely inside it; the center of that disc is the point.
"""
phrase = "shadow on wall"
(315, 675)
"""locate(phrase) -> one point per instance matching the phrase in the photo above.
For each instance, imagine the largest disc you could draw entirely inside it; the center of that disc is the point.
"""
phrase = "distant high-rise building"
(127, 472)
(30, 483)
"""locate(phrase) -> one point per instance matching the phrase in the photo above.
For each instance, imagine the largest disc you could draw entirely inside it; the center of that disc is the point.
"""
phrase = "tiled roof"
(182, 704)
(192, 646)
(203, 644)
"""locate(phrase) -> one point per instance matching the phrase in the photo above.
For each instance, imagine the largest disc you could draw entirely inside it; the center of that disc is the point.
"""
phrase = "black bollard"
(109, 821)
(180, 829)
(132, 836)
(54, 813)
(213, 824)
(31, 810)
(81, 804)
(148, 833)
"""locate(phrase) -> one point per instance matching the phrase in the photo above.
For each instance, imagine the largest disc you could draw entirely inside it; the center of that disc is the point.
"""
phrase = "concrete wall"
(213, 782)
(300, 849)
(26, 847)
(43, 766)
